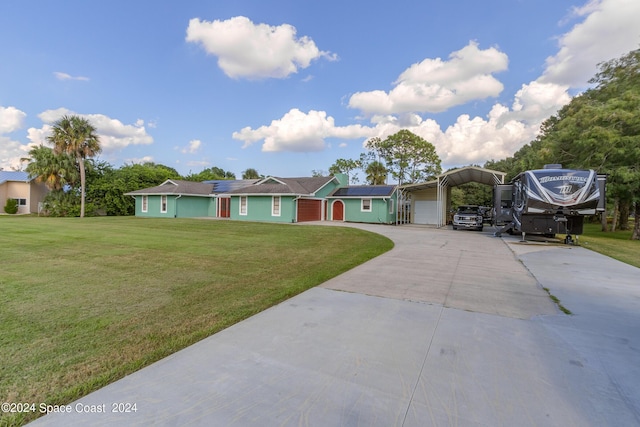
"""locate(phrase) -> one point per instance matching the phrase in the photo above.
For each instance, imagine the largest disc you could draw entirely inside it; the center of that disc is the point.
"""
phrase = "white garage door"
(425, 212)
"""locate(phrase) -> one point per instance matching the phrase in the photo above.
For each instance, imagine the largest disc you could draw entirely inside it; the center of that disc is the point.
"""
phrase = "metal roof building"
(430, 201)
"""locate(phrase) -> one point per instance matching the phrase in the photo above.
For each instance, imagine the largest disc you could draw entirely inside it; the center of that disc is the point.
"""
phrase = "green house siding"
(326, 190)
(259, 208)
(379, 213)
(177, 207)
(190, 207)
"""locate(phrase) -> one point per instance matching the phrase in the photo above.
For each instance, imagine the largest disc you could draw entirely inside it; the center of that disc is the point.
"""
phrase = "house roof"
(14, 176)
(294, 186)
(364, 191)
(221, 186)
(176, 187)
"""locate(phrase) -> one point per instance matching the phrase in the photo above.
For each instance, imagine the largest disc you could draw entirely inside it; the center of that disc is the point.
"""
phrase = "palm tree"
(76, 136)
(250, 174)
(55, 170)
(376, 173)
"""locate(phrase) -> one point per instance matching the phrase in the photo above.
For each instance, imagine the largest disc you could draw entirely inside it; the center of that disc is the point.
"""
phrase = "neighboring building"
(26, 191)
(364, 203)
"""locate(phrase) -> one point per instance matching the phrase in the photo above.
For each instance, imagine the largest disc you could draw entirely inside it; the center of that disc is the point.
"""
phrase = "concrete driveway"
(450, 328)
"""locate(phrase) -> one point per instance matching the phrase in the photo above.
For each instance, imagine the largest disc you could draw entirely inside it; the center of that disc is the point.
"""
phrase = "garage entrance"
(430, 201)
(309, 210)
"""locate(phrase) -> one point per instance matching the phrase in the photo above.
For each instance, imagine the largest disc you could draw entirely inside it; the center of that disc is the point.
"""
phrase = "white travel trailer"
(549, 201)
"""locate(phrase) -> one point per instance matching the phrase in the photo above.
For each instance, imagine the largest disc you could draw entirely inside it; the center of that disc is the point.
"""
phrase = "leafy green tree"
(65, 204)
(250, 173)
(408, 157)
(213, 173)
(600, 129)
(345, 166)
(76, 136)
(108, 185)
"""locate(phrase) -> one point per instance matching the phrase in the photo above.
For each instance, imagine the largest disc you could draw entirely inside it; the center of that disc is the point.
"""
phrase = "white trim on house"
(144, 204)
(364, 208)
(243, 205)
(276, 208)
(163, 203)
(328, 182)
(269, 178)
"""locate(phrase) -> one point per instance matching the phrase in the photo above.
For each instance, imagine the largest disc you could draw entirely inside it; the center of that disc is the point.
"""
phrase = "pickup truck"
(468, 216)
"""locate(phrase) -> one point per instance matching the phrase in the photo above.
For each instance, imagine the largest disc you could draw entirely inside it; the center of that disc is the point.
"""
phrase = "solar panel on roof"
(363, 191)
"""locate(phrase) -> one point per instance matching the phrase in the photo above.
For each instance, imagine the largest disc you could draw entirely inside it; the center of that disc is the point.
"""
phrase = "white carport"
(430, 200)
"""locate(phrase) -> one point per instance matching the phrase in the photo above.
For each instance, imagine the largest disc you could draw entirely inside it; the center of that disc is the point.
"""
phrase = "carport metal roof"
(460, 176)
(454, 178)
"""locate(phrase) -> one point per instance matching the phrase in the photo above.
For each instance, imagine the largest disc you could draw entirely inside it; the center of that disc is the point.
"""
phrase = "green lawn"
(616, 245)
(87, 301)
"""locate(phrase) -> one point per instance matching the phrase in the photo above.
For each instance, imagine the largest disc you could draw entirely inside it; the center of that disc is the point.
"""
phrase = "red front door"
(224, 206)
(338, 211)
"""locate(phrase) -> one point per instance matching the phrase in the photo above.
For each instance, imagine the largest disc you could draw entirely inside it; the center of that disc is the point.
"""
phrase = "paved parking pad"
(464, 269)
(447, 329)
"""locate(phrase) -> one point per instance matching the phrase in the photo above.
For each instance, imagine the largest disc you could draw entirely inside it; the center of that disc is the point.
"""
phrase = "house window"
(390, 206)
(21, 202)
(275, 206)
(366, 205)
(144, 204)
(243, 205)
(163, 204)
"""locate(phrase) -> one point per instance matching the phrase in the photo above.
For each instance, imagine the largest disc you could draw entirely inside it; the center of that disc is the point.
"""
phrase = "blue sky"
(287, 87)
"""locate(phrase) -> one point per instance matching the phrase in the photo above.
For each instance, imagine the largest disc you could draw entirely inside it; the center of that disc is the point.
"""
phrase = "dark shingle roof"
(175, 186)
(364, 191)
(276, 185)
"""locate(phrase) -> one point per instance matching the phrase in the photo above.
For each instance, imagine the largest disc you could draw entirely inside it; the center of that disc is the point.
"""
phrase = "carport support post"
(440, 203)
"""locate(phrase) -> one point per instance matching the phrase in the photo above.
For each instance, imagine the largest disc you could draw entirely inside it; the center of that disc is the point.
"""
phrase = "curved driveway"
(450, 328)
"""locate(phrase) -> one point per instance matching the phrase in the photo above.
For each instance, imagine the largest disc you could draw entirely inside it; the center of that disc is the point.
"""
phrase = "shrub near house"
(11, 207)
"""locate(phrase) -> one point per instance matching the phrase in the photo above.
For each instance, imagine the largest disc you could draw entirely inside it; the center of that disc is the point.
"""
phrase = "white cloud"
(434, 85)
(192, 147)
(114, 135)
(609, 30)
(11, 119)
(476, 139)
(65, 76)
(299, 132)
(249, 50)
(138, 160)
(11, 151)
(198, 163)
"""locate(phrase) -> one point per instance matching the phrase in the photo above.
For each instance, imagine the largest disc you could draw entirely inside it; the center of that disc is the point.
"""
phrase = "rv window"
(505, 199)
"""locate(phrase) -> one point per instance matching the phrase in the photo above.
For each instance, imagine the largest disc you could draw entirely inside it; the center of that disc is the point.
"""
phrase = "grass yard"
(616, 245)
(87, 301)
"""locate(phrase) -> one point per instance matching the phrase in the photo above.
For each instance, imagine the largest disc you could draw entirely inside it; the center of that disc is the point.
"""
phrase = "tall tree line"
(599, 129)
